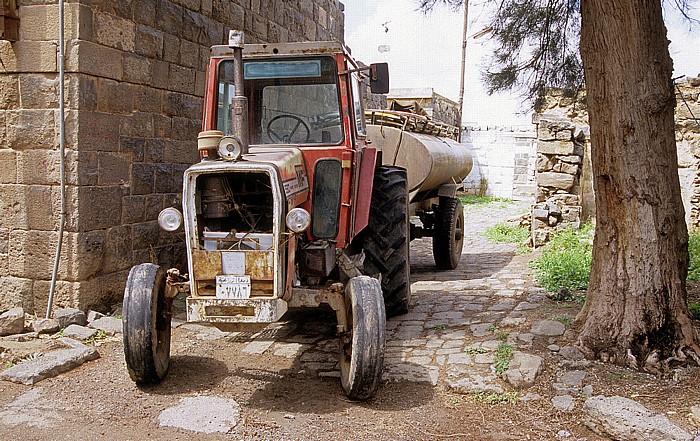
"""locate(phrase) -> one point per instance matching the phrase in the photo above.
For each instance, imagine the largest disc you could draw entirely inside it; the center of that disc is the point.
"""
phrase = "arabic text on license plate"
(232, 287)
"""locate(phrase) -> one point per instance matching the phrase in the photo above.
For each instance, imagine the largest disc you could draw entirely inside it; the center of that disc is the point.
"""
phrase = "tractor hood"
(287, 161)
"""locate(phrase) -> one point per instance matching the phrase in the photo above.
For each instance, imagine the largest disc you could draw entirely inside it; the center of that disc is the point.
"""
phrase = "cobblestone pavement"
(456, 321)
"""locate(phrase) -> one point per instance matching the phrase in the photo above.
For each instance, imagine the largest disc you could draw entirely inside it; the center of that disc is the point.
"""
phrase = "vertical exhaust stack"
(239, 103)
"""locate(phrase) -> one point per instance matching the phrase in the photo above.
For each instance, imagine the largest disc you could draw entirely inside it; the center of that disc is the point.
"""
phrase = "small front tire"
(362, 345)
(146, 321)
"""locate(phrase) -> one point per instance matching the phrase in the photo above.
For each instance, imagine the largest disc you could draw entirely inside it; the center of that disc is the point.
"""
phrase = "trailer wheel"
(146, 321)
(362, 345)
(448, 237)
(387, 239)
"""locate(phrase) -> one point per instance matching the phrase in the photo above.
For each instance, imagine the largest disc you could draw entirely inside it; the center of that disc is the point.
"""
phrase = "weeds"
(502, 357)
(565, 262)
(467, 199)
(694, 252)
(471, 350)
(31, 357)
(493, 398)
(694, 309)
(98, 336)
(565, 319)
(506, 233)
(440, 327)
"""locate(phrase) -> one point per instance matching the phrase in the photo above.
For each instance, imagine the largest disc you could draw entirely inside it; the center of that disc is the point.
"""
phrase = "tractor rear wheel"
(386, 238)
(448, 236)
(362, 345)
(146, 319)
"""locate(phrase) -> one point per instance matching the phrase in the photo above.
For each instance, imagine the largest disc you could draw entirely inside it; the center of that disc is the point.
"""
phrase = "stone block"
(145, 12)
(571, 169)
(9, 92)
(41, 207)
(69, 316)
(622, 418)
(133, 209)
(182, 152)
(189, 54)
(171, 48)
(109, 325)
(113, 168)
(137, 69)
(81, 92)
(8, 167)
(12, 321)
(182, 79)
(102, 291)
(27, 56)
(117, 249)
(136, 125)
(565, 148)
(46, 326)
(163, 179)
(66, 294)
(114, 96)
(555, 180)
(115, 32)
(12, 206)
(16, 292)
(51, 364)
(170, 17)
(523, 370)
(573, 159)
(142, 178)
(99, 131)
(147, 99)
(31, 129)
(100, 207)
(146, 235)
(38, 91)
(98, 60)
(178, 104)
(132, 146)
(149, 42)
(38, 167)
(4, 239)
(153, 206)
(185, 129)
(160, 76)
(540, 213)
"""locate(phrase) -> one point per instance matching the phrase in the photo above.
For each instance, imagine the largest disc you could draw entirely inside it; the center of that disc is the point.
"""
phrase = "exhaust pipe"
(239, 103)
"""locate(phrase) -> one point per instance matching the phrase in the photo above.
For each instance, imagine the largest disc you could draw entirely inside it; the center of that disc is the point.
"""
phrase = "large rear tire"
(362, 346)
(146, 320)
(387, 240)
(448, 236)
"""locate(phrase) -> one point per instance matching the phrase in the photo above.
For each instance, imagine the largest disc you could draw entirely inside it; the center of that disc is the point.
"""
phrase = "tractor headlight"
(298, 220)
(170, 219)
(230, 148)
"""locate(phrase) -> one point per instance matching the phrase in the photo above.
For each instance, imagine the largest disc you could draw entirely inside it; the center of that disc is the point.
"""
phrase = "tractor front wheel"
(362, 345)
(146, 319)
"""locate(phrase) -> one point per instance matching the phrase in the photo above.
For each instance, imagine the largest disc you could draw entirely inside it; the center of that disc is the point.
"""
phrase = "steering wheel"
(275, 136)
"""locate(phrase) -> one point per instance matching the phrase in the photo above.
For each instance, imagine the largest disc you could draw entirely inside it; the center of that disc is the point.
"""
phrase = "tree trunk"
(636, 310)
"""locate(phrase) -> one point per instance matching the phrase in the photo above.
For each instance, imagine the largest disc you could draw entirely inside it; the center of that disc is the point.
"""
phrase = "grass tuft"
(565, 262)
(502, 357)
(506, 233)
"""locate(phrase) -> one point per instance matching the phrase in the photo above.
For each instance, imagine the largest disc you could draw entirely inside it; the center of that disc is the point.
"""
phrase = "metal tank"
(430, 160)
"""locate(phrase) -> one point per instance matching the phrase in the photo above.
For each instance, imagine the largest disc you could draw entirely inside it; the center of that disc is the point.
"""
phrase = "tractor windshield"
(291, 101)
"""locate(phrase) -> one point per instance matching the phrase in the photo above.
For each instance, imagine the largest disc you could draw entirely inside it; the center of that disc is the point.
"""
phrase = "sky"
(425, 51)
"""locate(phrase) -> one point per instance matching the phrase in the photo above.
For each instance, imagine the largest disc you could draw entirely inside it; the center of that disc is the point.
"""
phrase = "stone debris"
(202, 414)
(551, 328)
(12, 322)
(523, 370)
(46, 326)
(571, 353)
(70, 316)
(573, 378)
(695, 415)
(563, 402)
(51, 364)
(622, 418)
(464, 379)
(79, 332)
(94, 315)
(109, 325)
(28, 336)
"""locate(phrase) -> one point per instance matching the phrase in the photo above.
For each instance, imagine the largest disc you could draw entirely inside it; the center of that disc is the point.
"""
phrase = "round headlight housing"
(170, 219)
(298, 220)
(230, 148)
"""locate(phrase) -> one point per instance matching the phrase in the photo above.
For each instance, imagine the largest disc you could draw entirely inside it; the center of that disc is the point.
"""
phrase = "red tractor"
(291, 206)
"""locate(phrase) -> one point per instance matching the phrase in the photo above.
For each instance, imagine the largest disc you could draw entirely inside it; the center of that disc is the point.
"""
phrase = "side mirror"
(379, 77)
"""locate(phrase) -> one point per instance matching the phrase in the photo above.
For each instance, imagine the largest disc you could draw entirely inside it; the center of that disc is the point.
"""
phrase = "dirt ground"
(282, 400)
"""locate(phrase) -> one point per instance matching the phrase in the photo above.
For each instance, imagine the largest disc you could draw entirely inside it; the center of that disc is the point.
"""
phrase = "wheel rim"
(161, 324)
(458, 235)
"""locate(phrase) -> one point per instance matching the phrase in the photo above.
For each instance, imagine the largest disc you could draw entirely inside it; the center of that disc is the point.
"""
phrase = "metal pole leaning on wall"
(62, 149)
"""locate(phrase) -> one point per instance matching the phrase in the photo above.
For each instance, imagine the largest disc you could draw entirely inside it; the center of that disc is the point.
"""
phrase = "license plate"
(232, 287)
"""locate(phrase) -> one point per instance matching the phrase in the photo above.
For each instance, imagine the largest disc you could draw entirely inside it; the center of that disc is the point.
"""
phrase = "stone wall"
(135, 73)
(688, 142)
(560, 152)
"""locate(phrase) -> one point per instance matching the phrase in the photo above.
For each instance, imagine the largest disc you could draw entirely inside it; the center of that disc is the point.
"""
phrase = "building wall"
(504, 164)
(135, 73)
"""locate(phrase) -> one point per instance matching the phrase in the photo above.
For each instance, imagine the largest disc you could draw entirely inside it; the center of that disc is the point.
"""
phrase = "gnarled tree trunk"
(636, 311)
